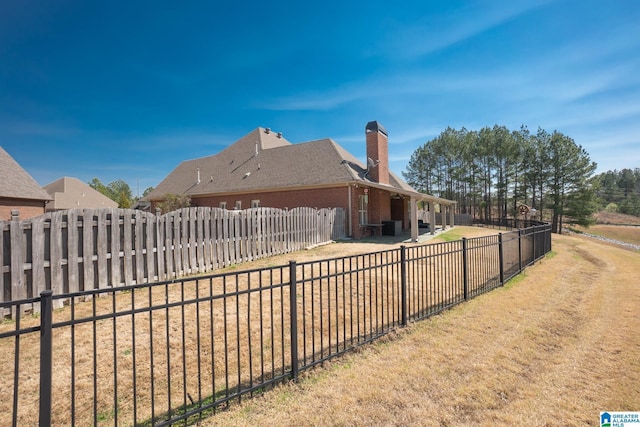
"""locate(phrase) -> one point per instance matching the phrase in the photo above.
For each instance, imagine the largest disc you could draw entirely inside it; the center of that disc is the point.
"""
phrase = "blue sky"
(127, 90)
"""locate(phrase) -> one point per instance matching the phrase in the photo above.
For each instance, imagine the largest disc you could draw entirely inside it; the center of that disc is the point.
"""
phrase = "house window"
(362, 209)
(222, 205)
(238, 205)
(255, 203)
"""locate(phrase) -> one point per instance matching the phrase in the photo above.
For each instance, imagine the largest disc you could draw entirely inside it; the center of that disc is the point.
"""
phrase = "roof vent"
(279, 134)
(267, 130)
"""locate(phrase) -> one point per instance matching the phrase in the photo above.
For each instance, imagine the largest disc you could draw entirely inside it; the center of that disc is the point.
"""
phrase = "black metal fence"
(177, 351)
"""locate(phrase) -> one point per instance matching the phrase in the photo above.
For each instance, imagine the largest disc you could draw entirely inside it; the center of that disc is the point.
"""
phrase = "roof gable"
(16, 183)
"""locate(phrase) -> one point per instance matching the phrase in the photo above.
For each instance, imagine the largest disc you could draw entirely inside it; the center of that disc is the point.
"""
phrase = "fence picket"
(177, 243)
(290, 231)
(149, 248)
(116, 258)
(18, 287)
(160, 248)
(237, 236)
(127, 247)
(206, 236)
(102, 248)
(184, 240)
(267, 237)
(253, 234)
(226, 239)
(87, 250)
(138, 233)
(37, 259)
(168, 247)
(192, 242)
(72, 250)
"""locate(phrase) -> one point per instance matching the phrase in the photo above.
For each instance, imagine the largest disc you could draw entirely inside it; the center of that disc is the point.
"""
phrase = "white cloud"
(26, 128)
(435, 32)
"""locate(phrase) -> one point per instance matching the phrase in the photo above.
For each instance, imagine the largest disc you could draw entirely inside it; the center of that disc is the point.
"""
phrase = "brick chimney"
(377, 152)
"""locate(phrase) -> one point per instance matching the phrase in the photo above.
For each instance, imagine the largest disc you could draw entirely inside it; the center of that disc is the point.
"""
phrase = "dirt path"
(553, 348)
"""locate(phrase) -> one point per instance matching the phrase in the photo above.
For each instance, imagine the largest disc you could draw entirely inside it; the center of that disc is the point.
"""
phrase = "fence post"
(46, 321)
(465, 269)
(501, 256)
(403, 285)
(519, 250)
(293, 313)
(533, 242)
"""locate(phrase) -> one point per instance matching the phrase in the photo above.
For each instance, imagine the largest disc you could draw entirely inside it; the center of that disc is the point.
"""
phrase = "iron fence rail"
(177, 351)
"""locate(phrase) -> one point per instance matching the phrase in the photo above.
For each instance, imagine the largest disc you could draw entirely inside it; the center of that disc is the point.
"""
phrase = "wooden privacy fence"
(85, 249)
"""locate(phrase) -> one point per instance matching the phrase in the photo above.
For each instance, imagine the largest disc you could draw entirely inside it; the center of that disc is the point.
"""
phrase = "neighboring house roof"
(264, 160)
(71, 193)
(16, 183)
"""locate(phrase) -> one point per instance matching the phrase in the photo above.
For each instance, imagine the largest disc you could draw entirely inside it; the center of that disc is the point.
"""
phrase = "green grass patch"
(515, 280)
(7, 321)
(106, 415)
(450, 236)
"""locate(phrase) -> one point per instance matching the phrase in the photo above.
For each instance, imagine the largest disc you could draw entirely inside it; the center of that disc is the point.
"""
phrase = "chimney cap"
(375, 126)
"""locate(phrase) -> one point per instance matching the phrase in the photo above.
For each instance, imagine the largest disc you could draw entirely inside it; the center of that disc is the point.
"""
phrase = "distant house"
(71, 193)
(263, 169)
(19, 191)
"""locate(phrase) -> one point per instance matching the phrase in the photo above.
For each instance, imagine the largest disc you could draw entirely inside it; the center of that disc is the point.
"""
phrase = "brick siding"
(27, 208)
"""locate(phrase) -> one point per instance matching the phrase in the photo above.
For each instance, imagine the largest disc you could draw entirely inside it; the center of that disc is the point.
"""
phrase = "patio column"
(443, 214)
(432, 211)
(414, 219)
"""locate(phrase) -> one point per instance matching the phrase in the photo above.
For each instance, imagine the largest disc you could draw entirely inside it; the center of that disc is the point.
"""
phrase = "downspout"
(349, 215)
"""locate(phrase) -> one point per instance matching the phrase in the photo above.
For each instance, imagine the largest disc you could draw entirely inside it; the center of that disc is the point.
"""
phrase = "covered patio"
(427, 218)
(400, 206)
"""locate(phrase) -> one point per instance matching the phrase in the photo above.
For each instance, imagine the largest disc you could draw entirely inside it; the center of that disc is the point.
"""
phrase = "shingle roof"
(71, 193)
(16, 183)
(263, 160)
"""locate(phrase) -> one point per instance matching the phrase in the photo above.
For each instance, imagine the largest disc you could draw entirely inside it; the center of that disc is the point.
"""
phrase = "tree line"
(118, 191)
(619, 191)
(490, 173)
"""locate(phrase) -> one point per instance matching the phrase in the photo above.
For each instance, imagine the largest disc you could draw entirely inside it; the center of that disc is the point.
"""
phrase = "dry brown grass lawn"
(554, 347)
(354, 247)
(604, 217)
(623, 233)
